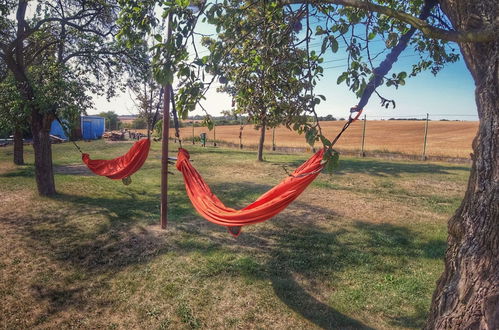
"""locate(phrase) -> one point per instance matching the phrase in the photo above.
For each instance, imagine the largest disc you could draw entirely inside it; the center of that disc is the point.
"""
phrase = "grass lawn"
(359, 249)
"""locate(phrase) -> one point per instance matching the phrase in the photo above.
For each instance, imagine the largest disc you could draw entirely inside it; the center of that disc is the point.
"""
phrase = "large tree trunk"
(467, 293)
(18, 147)
(40, 127)
(261, 143)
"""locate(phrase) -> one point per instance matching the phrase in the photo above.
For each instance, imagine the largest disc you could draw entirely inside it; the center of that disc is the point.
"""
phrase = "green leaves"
(334, 44)
(311, 135)
(342, 78)
(163, 75)
(325, 141)
(331, 160)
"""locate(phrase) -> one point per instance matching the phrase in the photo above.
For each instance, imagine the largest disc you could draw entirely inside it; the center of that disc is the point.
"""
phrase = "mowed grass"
(359, 249)
(445, 138)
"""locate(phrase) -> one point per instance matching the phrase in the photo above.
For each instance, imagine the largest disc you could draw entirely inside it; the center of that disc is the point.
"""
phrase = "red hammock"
(268, 205)
(123, 166)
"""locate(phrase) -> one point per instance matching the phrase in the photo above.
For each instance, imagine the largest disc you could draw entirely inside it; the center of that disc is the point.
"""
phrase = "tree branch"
(89, 53)
(488, 33)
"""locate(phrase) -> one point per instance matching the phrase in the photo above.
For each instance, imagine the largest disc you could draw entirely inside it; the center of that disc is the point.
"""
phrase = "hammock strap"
(175, 117)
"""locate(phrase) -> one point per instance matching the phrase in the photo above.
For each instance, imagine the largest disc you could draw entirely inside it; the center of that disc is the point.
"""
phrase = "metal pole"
(164, 142)
(193, 132)
(425, 137)
(362, 153)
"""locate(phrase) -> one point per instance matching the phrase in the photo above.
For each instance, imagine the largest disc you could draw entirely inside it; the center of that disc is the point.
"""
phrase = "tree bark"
(18, 147)
(261, 143)
(44, 174)
(467, 293)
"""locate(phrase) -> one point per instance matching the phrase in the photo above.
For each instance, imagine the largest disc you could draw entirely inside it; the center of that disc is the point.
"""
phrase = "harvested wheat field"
(445, 138)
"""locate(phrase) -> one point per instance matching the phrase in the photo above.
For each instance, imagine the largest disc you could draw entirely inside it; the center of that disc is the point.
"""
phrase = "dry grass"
(359, 249)
(447, 139)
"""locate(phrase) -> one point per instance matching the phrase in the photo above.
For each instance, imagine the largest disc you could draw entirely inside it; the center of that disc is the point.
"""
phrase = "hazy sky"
(449, 95)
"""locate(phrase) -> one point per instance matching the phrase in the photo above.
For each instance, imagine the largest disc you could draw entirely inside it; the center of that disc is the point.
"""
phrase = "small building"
(92, 128)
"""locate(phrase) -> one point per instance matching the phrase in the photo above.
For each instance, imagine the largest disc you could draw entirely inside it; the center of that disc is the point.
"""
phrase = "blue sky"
(448, 95)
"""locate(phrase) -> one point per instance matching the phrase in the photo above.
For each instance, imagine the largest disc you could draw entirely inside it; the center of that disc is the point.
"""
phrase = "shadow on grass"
(383, 168)
(25, 171)
(303, 250)
(295, 247)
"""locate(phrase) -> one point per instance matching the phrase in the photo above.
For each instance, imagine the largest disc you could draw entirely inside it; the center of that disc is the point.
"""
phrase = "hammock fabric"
(123, 166)
(268, 205)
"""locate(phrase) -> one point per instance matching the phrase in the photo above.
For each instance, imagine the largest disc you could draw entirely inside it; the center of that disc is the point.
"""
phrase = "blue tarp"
(56, 129)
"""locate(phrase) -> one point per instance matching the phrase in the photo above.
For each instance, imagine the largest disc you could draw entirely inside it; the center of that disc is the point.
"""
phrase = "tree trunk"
(261, 143)
(40, 127)
(467, 293)
(18, 147)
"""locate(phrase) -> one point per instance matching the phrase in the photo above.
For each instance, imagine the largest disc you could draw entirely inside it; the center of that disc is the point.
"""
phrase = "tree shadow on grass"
(310, 253)
(26, 171)
(304, 249)
(296, 248)
(384, 168)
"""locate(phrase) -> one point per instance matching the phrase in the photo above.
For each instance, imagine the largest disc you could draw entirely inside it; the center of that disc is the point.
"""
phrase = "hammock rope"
(67, 133)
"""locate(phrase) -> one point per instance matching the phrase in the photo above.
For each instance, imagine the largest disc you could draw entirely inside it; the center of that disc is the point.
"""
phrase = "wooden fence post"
(273, 139)
(214, 136)
(425, 137)
(362, 153)
(193, 132)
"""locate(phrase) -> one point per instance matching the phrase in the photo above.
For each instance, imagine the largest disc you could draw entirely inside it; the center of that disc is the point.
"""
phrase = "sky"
(448, 95)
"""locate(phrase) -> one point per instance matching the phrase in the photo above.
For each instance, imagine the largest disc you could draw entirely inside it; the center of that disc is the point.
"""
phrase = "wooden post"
(362, 153)
(164, 142)
(193, 132)
(425, 137)
(214, 136)
(241, 133)
(273, 139)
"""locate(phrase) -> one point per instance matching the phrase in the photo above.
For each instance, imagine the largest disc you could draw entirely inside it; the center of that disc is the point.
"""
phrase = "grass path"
(359, 249)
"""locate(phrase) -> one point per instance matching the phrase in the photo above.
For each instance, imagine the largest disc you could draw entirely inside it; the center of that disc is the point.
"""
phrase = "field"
(445, 138)
(360, 249)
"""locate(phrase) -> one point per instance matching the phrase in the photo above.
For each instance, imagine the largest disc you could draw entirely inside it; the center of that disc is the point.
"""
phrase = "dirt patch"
(76, 169)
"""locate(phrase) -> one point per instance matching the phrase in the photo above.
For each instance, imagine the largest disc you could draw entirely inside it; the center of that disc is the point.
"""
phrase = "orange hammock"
(123, 166)
(268, 205)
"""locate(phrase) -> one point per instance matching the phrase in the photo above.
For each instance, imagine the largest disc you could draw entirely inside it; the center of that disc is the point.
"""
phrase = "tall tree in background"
(13, 116)
(260, 65)
(112, 120)
(77, 38)
(146, 93)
